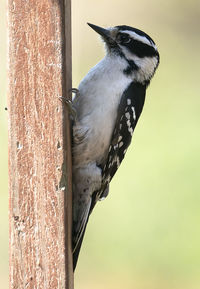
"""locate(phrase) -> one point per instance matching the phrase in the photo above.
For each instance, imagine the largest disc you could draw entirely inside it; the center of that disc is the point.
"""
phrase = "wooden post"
(39, 144)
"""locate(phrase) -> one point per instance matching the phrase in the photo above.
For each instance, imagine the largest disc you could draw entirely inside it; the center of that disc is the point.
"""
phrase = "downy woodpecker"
(110, 101)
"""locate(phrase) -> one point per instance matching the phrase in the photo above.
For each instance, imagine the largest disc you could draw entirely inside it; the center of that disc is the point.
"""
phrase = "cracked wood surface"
(39, 144)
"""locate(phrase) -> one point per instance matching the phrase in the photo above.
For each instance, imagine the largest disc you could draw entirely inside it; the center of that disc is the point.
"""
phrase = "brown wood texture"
(40, 201)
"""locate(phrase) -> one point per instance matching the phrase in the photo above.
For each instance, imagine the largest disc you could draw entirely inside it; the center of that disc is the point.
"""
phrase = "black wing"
(129, 111)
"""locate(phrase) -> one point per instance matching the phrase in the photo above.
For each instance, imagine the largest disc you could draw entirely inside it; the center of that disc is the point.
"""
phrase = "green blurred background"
(146, 235)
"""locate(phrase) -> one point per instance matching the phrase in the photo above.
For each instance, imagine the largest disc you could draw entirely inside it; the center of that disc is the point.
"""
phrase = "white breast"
(100, 94)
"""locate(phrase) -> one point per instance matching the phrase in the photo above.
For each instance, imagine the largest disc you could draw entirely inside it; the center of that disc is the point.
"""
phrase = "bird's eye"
(123, 38)
(126, 39)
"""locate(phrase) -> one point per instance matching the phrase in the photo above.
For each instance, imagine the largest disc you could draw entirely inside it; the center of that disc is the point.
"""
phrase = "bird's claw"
(75, 91)
(69, 105)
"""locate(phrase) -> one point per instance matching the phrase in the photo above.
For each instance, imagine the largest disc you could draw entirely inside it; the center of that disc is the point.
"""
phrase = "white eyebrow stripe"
(140, 38)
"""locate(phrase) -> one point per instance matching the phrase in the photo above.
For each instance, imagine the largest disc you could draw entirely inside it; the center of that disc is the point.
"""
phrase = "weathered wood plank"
(39, 144)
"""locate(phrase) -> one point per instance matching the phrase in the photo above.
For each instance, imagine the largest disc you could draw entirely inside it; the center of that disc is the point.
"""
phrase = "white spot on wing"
(134, 114)
(130, 129)
(115, 146)
(127, 114)
(128, 101)
(121, 144)
(118, 162)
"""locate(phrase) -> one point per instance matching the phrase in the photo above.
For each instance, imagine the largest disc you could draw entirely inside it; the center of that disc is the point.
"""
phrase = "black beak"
(102, 31)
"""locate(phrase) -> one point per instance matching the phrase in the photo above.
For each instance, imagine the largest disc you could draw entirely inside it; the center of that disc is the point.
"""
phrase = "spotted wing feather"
(129, 111)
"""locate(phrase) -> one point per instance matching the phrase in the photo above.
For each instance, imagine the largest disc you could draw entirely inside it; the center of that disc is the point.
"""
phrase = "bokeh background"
(146, 235)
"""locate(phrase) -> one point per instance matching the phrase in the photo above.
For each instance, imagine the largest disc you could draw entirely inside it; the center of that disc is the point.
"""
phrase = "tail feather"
(78, 237)
(77, 247)
(79, 224)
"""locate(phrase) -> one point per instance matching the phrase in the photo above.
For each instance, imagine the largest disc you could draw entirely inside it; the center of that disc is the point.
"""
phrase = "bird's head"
(135, 46)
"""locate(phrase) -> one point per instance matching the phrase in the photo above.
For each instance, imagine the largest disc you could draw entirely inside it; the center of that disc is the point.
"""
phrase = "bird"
(108, 104)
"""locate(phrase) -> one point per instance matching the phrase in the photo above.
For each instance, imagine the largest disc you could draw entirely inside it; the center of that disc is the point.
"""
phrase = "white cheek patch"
(140, 38)
(147, 66)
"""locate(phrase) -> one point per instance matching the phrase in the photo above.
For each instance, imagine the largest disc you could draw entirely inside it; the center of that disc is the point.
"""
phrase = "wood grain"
(39, 144)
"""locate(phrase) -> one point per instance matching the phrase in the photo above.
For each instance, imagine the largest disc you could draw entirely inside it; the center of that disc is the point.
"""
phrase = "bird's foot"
(69, 103)
(70, 106)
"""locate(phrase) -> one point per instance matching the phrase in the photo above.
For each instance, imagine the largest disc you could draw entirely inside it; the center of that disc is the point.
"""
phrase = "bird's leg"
(69, 103)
